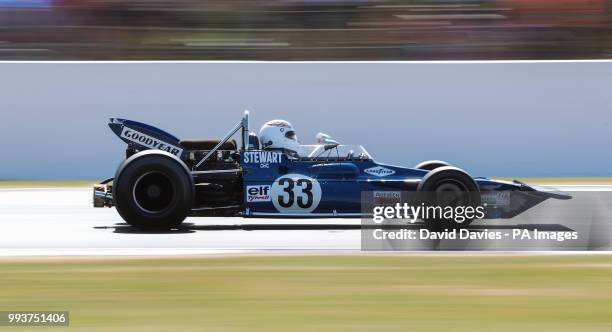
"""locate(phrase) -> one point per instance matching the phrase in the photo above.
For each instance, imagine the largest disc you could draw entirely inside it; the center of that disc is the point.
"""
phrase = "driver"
(279, 134)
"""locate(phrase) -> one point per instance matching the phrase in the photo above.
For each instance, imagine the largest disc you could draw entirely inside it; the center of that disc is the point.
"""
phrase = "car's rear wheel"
(153, 190)
(452, 187)
(431, 165)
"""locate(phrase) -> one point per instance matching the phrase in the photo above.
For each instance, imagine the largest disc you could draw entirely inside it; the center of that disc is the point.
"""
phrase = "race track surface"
(63, 222)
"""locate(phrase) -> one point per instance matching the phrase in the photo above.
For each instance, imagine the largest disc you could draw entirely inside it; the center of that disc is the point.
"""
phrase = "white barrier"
(498, 118)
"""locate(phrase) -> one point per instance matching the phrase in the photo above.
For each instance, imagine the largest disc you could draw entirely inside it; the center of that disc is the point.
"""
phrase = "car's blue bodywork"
(342, 183)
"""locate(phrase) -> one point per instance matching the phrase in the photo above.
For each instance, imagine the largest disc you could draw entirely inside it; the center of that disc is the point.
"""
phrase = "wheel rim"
(452, 193)
(153, 192)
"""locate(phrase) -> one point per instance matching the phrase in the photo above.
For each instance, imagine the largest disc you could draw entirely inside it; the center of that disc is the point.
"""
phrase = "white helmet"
(278, 134)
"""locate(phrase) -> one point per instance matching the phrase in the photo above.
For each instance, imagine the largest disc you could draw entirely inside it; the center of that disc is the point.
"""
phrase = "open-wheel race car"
(164, 179)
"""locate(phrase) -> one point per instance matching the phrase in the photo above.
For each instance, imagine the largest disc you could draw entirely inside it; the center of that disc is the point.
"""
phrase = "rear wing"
(141, 136)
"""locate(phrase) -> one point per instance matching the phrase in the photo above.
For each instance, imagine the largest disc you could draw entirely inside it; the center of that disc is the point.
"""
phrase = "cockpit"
(326, 149)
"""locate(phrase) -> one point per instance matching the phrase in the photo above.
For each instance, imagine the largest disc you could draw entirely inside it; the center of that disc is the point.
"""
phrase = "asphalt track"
(63, 222)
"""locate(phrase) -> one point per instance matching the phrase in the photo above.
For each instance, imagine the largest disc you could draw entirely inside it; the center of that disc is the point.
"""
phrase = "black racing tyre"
(449, 186)
(431, 165)
(153, 190)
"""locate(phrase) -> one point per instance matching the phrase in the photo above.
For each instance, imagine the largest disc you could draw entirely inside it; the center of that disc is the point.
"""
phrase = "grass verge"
(317, 293)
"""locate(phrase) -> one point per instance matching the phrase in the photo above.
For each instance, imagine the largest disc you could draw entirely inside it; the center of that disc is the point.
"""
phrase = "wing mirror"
(326, 141)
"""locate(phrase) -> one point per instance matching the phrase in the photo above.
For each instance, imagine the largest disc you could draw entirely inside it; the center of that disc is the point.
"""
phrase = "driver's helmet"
(278, 134)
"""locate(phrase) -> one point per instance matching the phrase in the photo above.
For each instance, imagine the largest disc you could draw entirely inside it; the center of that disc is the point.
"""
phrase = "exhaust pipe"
(103, 194)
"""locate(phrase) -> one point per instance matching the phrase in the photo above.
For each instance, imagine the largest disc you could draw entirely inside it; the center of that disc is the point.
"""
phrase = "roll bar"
(244, 125)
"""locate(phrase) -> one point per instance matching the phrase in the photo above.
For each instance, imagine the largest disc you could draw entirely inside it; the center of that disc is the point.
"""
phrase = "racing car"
(163, 179)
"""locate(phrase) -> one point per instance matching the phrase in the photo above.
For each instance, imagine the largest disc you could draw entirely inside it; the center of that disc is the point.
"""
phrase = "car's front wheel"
(153, 190)
(450, 187)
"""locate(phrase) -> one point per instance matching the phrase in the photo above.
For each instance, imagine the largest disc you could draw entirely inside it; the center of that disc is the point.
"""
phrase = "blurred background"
(304, 29)
(512, 119)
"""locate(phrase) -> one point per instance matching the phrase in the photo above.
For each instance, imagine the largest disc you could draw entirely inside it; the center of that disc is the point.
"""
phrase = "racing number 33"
(296, 192)
(288, 200)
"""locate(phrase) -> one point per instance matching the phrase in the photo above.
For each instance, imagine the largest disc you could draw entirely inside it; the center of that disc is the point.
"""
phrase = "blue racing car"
(164, 179)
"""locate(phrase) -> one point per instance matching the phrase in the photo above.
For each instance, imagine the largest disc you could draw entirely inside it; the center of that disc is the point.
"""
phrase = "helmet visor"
(291, 135)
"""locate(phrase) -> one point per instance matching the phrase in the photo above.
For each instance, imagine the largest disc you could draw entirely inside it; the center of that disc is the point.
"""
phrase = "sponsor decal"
(258, 194)
(387, 197)
(379, 171)
(262, 157)
(498, 198)
(149, 141)
(387, 194)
